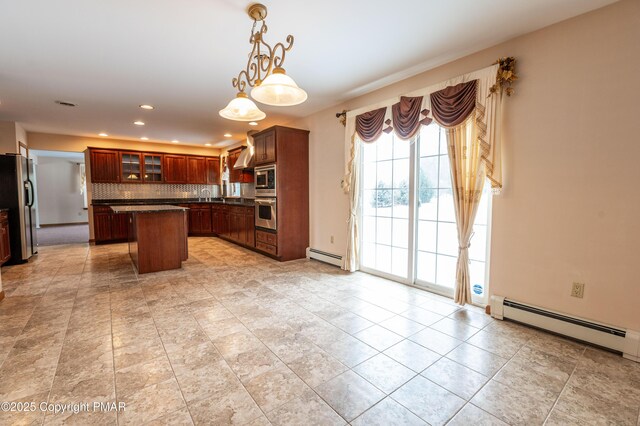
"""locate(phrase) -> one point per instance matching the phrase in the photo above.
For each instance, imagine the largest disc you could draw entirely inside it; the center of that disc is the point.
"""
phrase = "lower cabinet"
(234, 223)
(220, 220)
(250, 227)
(241, 225)
(267, 242)
(108, 226)
(5, 243)
(120, 226)
(200, 221)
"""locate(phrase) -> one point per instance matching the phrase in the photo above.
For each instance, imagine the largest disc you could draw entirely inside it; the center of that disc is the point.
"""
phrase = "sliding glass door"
(408, 224)
(386, 202)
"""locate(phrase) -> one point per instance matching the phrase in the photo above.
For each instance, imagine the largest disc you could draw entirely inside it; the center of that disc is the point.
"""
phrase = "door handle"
(31, 193)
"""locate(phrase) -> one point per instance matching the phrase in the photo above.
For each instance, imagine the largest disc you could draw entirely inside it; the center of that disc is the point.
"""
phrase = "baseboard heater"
(626, 342)
(325, 257)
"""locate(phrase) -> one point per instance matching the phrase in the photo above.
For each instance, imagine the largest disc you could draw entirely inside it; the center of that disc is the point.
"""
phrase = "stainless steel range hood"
(244, 159)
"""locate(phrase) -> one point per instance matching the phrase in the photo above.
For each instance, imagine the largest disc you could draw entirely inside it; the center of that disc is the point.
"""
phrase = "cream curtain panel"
(467, 180)
(351, 260)
(474, 147)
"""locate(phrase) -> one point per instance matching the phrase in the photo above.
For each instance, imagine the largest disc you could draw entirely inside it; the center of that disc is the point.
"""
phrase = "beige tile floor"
(235, 338)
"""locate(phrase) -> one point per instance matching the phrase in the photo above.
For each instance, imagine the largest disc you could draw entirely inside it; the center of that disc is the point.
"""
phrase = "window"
(408, 227)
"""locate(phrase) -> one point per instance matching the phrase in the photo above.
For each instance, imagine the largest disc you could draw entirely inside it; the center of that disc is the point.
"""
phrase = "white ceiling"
(109, 56)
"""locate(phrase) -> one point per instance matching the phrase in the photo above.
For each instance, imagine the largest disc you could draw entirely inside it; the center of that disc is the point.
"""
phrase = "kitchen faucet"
(206, 198)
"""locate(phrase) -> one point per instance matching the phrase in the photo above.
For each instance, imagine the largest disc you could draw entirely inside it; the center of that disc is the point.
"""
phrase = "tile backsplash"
(130, 191)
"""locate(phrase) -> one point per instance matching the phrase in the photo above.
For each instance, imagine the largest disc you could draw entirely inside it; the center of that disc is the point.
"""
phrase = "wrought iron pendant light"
(264, 73)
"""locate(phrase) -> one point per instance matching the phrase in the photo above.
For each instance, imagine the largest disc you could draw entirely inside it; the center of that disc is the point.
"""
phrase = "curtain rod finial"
(342, 116)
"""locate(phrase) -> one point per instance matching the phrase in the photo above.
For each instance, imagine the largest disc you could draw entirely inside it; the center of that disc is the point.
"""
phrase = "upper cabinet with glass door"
(130, 167)
(152, 168)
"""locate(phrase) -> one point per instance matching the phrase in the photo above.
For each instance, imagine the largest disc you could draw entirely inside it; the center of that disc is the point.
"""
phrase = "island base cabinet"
(158, 241)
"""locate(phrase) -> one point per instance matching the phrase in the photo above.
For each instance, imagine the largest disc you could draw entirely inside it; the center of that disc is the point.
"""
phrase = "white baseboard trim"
(324, 256)
(618, 339)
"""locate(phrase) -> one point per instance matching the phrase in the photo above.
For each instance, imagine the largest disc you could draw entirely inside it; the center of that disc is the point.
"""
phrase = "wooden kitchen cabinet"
(105, 166)
(109, 226)
(234, 175)
(175, 168)
(114, 166)
(289, 149)
(219, 219)
(265, 147)
(102, 224)
(5, 242)
(152, 168)
(249, 227)
(238, 175)
(130, 167)
(120, 226)
(194, 222)
(241, 225)
(236, 222)
(213, 170)
(200, 220)
(223, 221)
(196, 170)
(267, 241)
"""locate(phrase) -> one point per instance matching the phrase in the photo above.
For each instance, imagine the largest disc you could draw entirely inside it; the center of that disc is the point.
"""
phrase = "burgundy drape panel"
(453, 104)
(406, 116)
(369, 124)
(450, 107)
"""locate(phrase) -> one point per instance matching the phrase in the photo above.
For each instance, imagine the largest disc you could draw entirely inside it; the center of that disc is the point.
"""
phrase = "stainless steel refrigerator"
(17, 193)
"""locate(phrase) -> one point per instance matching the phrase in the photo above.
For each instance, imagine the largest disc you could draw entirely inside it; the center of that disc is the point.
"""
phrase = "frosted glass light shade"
(241, 108)
(279, 89)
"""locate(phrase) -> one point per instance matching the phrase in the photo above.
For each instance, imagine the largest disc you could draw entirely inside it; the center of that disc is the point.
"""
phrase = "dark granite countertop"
(146, 208)
(244, 202)
(4, 209)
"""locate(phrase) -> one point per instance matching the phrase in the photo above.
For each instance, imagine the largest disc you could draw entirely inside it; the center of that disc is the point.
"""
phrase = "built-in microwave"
(266, 213)
(265, 179)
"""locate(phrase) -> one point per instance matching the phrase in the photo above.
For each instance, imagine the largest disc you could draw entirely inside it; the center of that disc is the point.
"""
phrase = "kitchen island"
(157, 236)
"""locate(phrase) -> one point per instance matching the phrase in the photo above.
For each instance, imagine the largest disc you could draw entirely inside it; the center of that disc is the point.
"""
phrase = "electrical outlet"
(332, 239)
(577, 290)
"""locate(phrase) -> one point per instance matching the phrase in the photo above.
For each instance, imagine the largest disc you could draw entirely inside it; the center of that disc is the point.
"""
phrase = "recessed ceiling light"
(104, 135)
(227, 135)
(207, 144)
(145, 106)
(253, 123)
(139, 123)
(175, 141)
(144, 138)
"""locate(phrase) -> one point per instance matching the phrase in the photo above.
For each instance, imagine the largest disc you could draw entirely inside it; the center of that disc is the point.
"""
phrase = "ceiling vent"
(65, 103)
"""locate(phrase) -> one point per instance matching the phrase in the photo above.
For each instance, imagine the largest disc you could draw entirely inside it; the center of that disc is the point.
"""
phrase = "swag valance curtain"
(471, 114)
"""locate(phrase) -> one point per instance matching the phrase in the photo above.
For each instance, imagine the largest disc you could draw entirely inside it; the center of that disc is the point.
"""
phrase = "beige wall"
(54, 142)
(11, 134)
(570, 205)
(59, 196)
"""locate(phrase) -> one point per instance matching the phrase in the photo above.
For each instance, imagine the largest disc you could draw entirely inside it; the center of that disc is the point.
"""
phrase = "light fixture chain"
(262, 59)
(264, 72)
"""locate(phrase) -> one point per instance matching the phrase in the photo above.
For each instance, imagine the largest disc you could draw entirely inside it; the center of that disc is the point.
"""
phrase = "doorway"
(61, 197)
